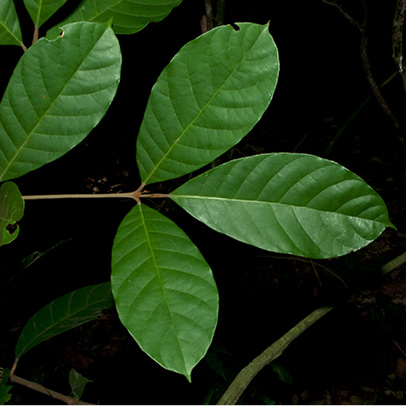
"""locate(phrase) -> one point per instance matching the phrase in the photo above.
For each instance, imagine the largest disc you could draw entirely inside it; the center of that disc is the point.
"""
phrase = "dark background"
(356, 354)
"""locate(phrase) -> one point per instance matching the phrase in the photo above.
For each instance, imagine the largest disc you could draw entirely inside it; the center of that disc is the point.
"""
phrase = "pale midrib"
(198, 115)
(233, 200)
(151, 249)
(10, 32)
(44, 115)
(39, 13)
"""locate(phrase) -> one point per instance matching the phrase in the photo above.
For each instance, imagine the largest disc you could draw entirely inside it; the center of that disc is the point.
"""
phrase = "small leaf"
(283, 374)
(5, 396)
(164, 290)
(63, 314)
(58, 92)
(41, 10)
(77, 383)
(288, 203)
(11, 211)
(10, 32)
(129, 16)
(207, 99)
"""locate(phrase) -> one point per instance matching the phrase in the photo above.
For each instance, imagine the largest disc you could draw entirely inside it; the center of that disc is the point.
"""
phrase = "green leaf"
(11, 211)
(58, 92)
(10, 32)
(77, 383)
(5, 396)
(41, 10)
(64, 313)
(129, 16)
(206, 100)
(288, 203)
(164, 290)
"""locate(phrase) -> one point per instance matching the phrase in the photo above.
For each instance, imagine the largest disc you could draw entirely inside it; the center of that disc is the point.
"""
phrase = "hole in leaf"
(11, 228)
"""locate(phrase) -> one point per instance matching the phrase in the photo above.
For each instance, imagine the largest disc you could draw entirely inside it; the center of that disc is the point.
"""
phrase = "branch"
(246, 375)
(362, 28)
(206, 22)
(39, 388)
(397, 38)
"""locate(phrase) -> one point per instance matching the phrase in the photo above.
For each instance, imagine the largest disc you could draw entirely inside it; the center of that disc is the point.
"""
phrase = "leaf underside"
(164, 290)
(58, 92)
(287, 203)
(10, 32)
(129, 16)
(206, 100)
(64, 313)
(11, 211)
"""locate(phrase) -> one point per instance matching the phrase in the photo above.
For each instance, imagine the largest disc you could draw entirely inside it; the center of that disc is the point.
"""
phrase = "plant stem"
(362, 28)
(397, 38)
(353, 116)
(395, 263)
(246, 375)
(131, 195)
(39, 388)
(82, 196)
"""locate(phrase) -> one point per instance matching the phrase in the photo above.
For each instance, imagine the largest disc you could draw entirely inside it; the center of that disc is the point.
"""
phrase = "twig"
(352, 117)
(362, 28)
(82, 196)
(397, 38)
(39, 388)
(246, 375)
(395, 263)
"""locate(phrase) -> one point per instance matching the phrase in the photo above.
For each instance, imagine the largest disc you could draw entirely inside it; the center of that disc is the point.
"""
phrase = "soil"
(354, 355)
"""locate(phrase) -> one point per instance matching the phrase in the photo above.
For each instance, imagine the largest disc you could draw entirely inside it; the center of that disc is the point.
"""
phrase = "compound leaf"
(11, 211)
(206, 100)
(64, 313)
(288, 203)
(10, 32)
(164, 290)
(41, 10)
(129, 16)
(58, 92)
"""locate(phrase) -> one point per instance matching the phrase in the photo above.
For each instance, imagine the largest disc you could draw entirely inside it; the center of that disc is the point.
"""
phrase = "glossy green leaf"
(206, 100)
(58, 92)
(11, 211)
(10, 32)
(41, 10)
(288, 203)
(64, 313)
(129, 16)
(164, 290)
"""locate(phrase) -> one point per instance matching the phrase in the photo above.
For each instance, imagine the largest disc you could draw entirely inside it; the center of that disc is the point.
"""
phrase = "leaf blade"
(41, 10)
(10, 31)
(206, 100)
(64, 313)
(164, 290)
(129, 16)
(58, 93)
(11, 211)
(288, 203)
